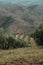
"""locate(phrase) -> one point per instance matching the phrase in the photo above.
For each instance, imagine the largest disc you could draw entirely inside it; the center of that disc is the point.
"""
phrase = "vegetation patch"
(10, 42)
(38, 35)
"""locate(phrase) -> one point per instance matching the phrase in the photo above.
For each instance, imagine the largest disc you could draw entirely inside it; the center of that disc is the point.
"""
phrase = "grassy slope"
(22, 56)
(30, 54)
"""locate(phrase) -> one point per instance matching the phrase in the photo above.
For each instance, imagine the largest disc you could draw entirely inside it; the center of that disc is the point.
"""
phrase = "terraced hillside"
(24, 37)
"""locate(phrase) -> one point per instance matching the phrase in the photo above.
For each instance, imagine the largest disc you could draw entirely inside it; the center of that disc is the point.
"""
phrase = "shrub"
(10, 42)
(38, 35)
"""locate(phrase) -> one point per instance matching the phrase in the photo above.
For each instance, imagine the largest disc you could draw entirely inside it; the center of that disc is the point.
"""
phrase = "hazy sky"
(23, 1)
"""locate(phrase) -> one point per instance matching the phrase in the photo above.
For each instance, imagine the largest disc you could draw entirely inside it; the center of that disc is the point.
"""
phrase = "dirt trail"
(33, 42)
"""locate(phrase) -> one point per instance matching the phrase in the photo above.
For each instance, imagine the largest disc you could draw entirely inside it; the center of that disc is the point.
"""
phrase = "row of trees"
(10, 42)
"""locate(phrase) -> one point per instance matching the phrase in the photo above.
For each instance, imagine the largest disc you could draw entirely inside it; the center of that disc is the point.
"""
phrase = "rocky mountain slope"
(19, 19)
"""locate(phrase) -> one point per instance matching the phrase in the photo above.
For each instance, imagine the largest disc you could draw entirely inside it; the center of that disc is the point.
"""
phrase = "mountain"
(16, 18)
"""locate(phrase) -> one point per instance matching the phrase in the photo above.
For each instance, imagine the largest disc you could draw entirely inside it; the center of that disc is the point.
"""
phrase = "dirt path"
(33, 42)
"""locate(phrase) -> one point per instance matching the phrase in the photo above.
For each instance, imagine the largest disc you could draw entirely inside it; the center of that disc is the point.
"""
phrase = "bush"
(10, 42)
(38, 35)
(16, 43)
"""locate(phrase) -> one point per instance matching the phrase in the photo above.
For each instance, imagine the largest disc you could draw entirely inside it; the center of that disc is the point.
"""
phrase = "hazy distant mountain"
(24, 2)
(19, 18)
(15, 17)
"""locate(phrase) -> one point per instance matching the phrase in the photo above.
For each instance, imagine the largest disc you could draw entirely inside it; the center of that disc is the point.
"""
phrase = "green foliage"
(10, 42)
(8, 20)
(38, 35)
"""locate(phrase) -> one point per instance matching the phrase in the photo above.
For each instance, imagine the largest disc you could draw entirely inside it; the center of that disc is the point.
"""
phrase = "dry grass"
(30, 54)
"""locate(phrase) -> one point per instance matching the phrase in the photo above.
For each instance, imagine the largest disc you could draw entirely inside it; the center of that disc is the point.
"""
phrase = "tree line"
(10, 42)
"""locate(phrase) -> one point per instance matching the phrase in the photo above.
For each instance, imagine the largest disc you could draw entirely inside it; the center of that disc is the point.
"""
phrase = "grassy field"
(22, 55)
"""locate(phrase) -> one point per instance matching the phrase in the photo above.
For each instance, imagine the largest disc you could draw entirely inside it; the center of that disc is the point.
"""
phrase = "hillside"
(19, 18)
(22, 56)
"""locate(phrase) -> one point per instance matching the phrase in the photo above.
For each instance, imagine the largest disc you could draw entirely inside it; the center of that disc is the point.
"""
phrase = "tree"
(38, 35)
(9, 41)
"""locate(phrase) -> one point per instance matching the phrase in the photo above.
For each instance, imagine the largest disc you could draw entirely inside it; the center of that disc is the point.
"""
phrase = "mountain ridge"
(19, 18)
